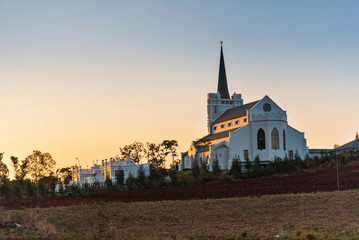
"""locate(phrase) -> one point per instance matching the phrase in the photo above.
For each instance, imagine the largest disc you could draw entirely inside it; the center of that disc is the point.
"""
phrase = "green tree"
(257, 168)
(248, 166)
(120, 177)
(64, 174)
(155, 154)
(170, 148)
(4, 171)
(40, 165)
(195, 168)
(215, 166)
(236, 168)
(21, 168)
(135, 151)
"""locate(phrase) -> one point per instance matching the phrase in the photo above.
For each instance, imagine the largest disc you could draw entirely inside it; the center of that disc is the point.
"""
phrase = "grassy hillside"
(330, 215)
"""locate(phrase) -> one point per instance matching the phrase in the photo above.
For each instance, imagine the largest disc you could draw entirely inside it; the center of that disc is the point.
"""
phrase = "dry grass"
(332, 215)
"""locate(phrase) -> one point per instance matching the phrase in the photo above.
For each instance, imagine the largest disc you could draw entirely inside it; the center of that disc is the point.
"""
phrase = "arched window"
(275, 139)
(284, 144)
(261, 139)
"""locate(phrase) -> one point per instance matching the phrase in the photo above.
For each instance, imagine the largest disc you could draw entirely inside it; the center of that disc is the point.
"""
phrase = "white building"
(107, 170)
(258, 128)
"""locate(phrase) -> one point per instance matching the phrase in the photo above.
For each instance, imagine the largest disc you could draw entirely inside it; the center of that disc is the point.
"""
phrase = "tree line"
(35, 176)
(154, 153)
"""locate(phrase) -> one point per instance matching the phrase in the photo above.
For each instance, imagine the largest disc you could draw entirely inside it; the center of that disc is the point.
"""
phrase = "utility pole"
(337, 162)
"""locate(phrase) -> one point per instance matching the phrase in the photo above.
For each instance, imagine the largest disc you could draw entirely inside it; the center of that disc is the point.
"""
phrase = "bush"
(236, 168)
(131, 182)
(157, 177)
(173, 176)
(141, 179)
(215, 167)
(120, 177)
(257, 168)
(195, 168)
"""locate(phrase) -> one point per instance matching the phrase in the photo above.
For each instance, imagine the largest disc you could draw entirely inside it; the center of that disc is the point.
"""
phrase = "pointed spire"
(222, 78)
(356, 136)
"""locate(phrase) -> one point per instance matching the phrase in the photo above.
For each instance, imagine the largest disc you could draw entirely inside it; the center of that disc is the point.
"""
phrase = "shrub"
(215, 167)
(236, 168)
(120, 177)
(173, 176)
(131, 182)
(141, 178)
(195, 168)
(257, 168)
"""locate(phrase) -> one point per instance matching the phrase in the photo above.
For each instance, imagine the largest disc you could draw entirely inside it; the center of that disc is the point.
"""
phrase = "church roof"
(350, 145)
(215, 136)
(235, 112)
(222, 78)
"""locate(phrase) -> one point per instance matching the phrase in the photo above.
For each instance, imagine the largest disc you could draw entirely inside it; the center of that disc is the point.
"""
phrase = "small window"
(214, 128)
(215, 109)
(236, 122)
(222, 126)
(229, 124)
(290, 154)
(245, 120)
(245, 154)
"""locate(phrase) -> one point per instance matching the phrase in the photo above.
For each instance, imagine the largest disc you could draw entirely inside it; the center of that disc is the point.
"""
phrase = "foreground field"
(307, 181)
(331, 215)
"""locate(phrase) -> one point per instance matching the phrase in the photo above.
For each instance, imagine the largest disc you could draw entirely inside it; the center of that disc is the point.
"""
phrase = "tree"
(257, 168)
(134, 151)
(170, 148)
(236, 168)
(21, 169)
(215, 166)
(40, 165)
(120, 177)
(4, 171)
(64, 175)
(195, 168)
(155, 154)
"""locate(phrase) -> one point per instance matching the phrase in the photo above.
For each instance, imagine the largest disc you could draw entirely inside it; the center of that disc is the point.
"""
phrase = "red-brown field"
(304, 182)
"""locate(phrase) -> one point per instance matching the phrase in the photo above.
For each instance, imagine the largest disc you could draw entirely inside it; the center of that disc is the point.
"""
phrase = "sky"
(79, 79)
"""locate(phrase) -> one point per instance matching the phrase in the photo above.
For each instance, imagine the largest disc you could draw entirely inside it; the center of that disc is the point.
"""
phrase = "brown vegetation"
(307, 181)
(292, 216)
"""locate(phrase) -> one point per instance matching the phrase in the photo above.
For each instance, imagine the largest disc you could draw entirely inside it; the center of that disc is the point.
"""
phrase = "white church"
(258, 128)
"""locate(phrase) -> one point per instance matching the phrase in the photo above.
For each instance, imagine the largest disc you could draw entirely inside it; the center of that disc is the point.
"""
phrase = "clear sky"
(82, 78)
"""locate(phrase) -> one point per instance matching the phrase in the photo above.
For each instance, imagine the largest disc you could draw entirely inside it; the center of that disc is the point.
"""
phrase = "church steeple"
(222, 78)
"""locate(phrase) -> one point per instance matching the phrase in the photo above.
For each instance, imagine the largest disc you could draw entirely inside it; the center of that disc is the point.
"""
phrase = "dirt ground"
(304, 182)
(323, 215)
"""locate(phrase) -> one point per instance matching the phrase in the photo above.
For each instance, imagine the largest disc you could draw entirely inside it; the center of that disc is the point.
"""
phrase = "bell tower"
(218, 103)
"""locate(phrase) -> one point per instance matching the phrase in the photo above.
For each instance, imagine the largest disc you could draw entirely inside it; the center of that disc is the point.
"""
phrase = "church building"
(258, 128)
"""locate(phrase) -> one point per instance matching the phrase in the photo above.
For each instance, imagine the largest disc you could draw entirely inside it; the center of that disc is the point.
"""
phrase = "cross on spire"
(221, 43)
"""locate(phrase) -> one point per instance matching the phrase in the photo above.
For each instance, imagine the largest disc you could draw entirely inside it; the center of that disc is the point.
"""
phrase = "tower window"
(222, 126)
(229, 124)
(245, 120)
(284, 144)
(215, 109)
(261, 139)
(236, 122)
(214, 128)
(275, 139)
